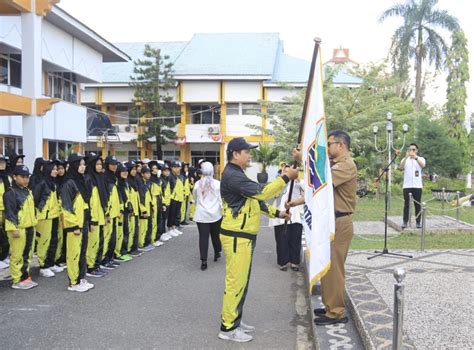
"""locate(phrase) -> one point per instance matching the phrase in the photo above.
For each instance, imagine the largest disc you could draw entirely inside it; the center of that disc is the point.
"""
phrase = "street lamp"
(389, 146)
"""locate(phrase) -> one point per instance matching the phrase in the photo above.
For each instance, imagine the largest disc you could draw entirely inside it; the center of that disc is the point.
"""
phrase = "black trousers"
(162, 217)
(174, 213)
(416, 192)
(4, 245)
(53, 245)
(209, 229)
(288, 244)
(109, 254)
(126, 233)
(135, 236)
(83, 257)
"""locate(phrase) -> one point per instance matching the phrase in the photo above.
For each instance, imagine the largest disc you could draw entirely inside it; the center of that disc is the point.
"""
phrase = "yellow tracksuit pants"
(21, 252)
(47, 241)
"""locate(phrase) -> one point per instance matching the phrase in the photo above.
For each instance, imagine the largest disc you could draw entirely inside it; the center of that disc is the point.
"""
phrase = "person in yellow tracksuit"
(165, 203)
(122, 227)
(156, 194)
(47, 210)
(243, 201)
(146, 212)
(98, 205)
(134, 208)
(20, 221)
(4, 185)
(61, 249)
(75, 195)
(185, 174)
(112, 215)
(177, 199)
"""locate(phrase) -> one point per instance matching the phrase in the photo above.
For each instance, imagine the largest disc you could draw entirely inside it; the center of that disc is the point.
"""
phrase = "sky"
(352, 24)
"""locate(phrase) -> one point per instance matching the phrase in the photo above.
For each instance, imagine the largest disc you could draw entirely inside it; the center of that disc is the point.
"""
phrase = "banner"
(319, 221)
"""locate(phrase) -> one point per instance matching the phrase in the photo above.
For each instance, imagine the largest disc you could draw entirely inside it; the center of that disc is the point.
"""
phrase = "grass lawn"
(369, 209)
(411, 241)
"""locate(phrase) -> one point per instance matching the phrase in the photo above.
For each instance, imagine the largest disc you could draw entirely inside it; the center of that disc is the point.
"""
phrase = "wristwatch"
(416, 158)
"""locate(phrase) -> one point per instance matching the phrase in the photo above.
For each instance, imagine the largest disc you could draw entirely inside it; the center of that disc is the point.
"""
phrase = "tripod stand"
(385, 249)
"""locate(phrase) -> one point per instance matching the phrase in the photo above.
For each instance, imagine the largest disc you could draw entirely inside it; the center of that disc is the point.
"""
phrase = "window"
(63, 85)
(206, 114)
(58, 149)
(232, 109)
(171, 155)
(10, 69)
(209, 156)
(11, 146)
(133, 155)
(250, 109)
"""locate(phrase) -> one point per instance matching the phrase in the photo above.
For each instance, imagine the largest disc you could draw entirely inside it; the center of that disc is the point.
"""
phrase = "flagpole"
(317, 42)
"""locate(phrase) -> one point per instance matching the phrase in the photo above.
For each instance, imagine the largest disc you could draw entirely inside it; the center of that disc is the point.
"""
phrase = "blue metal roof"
(221, 54)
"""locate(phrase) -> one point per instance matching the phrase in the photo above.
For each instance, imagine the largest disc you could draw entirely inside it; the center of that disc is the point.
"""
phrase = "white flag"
(319, 222)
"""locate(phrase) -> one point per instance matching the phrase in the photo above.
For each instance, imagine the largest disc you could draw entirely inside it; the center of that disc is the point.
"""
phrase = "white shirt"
(412, 173)
(209, 208)
(295, 212)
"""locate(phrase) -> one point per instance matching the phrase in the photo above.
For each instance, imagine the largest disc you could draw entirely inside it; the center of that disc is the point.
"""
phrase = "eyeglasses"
(331, 143)
(412, 149)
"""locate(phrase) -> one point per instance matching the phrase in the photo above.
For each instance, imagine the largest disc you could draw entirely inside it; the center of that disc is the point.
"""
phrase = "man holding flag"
(344, 181)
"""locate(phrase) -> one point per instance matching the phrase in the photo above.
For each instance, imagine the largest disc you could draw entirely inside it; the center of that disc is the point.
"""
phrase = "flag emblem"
(317, 159)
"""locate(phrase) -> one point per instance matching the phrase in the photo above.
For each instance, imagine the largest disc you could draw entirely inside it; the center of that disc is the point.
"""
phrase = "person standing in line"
(75, 196)
(47, 210)
(157, 198)
(243, 202)
(61, 249)
(412, 165)
(208, 214)
(177, 199)
(288, 239)
(4, 185)
(20, 221)
(134, 198)
(121, 251)
(166, 195)
(146, 212)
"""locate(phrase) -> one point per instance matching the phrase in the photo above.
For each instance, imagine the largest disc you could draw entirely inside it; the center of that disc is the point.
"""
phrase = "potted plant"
(265, 155)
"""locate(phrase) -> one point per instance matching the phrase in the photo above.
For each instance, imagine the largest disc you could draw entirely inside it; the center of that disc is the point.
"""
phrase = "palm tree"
(417, 38)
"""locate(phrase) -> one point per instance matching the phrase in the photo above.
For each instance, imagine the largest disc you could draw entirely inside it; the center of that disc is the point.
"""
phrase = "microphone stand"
(385, 249)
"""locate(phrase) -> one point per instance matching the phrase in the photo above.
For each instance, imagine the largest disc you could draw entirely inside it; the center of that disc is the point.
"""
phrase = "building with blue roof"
(221, 80)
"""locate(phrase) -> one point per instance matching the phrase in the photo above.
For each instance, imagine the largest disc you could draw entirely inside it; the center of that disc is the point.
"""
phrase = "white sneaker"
(3, 265)
(235, 335)
(56, 268)
(46, 273)
(246, 328)
(178, 231)
(158, 244)
(173, 233)
(78, 288)
(86, 284)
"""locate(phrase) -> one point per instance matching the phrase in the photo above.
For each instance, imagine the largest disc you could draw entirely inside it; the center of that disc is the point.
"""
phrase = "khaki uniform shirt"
(344, 179)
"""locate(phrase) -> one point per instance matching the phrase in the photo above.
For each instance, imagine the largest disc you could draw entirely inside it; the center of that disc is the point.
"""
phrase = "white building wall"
(276, 94)
(236, 125)
(88, 95)
(200, 91)
(10, 31)
(199, 133)
(57, 46)
(66, 122)
(86, 61)
(242, 91)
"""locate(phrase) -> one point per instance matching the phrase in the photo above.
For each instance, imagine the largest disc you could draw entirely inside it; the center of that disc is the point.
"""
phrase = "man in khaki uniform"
(344, 178)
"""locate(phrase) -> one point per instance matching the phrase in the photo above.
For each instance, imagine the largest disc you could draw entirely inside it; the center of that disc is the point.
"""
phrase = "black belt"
(340, 214)
(239, 235)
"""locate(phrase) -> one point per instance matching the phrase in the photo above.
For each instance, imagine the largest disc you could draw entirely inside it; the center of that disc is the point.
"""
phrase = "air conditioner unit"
(213, 130)
(128, 128)
(117, 128)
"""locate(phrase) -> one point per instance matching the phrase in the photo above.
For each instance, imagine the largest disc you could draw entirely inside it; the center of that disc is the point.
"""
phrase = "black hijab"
(79, 180)
(4, 175)
(13, 160)
(60, 179)
(46, 174)
(121, 184)
(37, 174)
(97, 179)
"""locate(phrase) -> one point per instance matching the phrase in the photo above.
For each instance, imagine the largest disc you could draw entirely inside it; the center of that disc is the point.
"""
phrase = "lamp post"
(389, 146)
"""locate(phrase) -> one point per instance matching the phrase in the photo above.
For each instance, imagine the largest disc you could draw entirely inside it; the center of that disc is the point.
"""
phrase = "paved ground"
(434, 224)
(439, 298)
(160, 300)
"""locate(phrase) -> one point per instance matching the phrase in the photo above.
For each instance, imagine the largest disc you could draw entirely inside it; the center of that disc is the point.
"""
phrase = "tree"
(455, 115)
(442, 153)
(265, 154)
(153, 78)
(418, 38)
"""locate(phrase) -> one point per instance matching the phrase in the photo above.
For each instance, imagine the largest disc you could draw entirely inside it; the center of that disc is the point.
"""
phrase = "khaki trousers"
(333, 283)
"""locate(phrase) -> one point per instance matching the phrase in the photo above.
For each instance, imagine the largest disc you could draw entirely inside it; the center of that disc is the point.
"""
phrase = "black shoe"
(217, 256)
(418, 225)
(404, 225)
(184, 223)
(323, 320)
(136, 253)
(115, 263)
(204, 265)
(319, 311)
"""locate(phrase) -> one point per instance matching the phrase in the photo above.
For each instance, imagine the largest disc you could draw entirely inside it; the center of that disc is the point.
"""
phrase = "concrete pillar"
(31, 83)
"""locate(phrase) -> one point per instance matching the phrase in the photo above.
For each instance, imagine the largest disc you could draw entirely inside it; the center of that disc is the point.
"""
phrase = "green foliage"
(443, 154)
(419, 38)
(447, 183)
(153, 78)
(265, 154)
(458, 67)
(64, 153)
